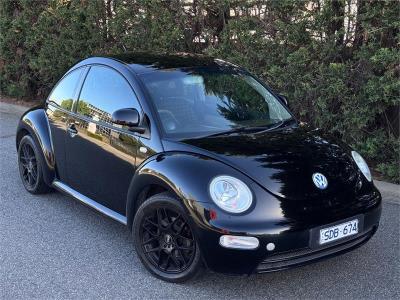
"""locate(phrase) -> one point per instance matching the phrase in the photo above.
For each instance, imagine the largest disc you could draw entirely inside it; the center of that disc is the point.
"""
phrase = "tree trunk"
(336, 26)
(359, 30)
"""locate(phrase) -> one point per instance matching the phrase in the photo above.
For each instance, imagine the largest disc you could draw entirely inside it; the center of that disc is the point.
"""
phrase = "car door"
(58, 108)
(101, 155)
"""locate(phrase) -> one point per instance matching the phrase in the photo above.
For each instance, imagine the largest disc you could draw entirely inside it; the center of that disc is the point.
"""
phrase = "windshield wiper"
(254, 129)
(240, 129)
(280, 124)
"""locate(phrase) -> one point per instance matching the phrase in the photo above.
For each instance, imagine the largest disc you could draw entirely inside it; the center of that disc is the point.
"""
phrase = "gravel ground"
(53, 247)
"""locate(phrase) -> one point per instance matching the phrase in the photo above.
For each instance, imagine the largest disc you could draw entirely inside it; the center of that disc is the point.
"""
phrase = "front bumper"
(293, 248)
(299, 257)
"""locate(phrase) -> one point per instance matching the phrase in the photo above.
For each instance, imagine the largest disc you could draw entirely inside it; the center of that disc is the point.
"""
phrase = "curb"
(9, 108)
(389, 190)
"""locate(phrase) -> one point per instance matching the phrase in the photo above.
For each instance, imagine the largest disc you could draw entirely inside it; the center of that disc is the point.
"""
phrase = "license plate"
(337, 232)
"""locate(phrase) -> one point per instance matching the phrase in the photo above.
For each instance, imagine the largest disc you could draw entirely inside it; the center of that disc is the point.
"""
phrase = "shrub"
(337, 61)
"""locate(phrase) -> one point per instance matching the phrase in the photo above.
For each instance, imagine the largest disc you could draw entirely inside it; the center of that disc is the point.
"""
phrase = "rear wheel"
(164, 239)
(30, 166)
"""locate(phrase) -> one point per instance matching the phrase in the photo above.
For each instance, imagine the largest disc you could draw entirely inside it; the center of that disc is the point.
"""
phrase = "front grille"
(299, 257)
(338, 206)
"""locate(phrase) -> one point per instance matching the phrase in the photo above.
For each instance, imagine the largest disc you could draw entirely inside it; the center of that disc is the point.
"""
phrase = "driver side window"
(105, 91)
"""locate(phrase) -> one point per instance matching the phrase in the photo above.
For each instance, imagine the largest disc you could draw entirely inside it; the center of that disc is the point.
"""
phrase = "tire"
(165, 241)
(30, 166)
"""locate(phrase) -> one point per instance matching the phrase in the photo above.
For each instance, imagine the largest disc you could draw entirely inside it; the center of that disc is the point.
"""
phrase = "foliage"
(337, 61)
(67, 104)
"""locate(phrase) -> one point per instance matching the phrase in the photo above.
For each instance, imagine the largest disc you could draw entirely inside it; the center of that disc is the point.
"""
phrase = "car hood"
(284, 161)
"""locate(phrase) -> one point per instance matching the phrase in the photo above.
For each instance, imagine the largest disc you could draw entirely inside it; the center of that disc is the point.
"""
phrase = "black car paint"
(276, 165)
(35, 122)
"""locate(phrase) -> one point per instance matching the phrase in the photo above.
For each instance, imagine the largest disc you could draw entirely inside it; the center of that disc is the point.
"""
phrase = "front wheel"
(164, 239)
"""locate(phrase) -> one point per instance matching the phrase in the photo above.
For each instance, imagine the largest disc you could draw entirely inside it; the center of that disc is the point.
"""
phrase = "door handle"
(72, 130)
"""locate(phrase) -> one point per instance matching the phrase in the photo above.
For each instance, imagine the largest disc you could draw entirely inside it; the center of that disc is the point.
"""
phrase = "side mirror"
(127, 117)
(283, 99)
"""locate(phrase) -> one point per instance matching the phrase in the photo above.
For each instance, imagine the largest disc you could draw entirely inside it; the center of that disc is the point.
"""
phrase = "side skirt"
(89, 202)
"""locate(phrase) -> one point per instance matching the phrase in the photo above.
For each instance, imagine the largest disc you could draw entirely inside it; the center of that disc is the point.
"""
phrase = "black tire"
(31, 166)
(165, 240)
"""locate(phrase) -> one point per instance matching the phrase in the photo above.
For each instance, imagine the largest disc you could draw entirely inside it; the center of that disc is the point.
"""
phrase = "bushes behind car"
(336, 61)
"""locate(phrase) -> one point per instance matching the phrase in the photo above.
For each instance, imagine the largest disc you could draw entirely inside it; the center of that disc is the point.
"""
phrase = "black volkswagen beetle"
(202, 161)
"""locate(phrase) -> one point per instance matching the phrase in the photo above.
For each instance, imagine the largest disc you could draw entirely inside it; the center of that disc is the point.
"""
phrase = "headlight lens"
(230, 194)
(362, 165)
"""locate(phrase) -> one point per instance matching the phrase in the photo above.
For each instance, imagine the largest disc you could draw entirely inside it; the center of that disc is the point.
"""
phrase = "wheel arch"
(184, 175)
(35, 123)
(144, 185)
(20, 134)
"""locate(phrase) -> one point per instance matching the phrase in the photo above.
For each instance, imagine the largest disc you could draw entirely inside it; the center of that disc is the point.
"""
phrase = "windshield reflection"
(206, 101)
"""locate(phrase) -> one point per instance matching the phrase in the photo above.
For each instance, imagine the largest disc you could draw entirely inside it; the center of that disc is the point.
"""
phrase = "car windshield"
(205, 101)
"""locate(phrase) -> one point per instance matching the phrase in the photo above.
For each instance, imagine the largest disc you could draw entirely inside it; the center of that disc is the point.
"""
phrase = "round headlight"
(362, 165)
(230, 194)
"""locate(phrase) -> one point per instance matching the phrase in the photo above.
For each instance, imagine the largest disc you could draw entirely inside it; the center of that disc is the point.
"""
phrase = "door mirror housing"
(283, 99)
(128, 117)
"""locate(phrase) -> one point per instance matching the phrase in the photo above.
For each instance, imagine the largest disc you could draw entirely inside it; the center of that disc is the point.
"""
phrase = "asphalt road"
(53, 247)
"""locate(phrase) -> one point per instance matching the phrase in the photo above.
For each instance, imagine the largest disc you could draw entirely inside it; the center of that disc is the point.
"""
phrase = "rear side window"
(105, 91)
(64, 93)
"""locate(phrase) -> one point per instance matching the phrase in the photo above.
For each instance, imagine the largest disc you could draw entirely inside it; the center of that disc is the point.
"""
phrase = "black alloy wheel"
(30, 167)
(165, 241)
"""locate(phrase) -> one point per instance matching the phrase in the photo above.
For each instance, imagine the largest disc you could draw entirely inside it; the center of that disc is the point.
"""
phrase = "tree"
(335, 60)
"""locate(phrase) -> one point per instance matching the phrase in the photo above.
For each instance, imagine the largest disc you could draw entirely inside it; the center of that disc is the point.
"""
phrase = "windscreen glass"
(201, 101)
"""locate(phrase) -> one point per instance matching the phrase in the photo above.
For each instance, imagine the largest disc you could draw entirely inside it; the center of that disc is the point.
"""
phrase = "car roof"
(148, 62)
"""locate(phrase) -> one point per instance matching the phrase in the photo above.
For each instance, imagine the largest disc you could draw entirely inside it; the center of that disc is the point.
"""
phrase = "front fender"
(35, 122)
(187, 175)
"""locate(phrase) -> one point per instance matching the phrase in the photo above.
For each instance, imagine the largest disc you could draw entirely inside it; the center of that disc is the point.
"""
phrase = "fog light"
(238, 242)
(270, 246)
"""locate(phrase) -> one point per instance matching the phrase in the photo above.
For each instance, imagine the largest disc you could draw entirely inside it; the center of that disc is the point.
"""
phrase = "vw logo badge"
(320, 181)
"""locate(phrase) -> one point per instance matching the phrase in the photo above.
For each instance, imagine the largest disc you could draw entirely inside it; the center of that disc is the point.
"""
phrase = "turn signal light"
(239, 242)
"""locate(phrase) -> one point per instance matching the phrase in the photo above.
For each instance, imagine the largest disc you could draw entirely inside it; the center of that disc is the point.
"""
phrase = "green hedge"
(342, 78)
